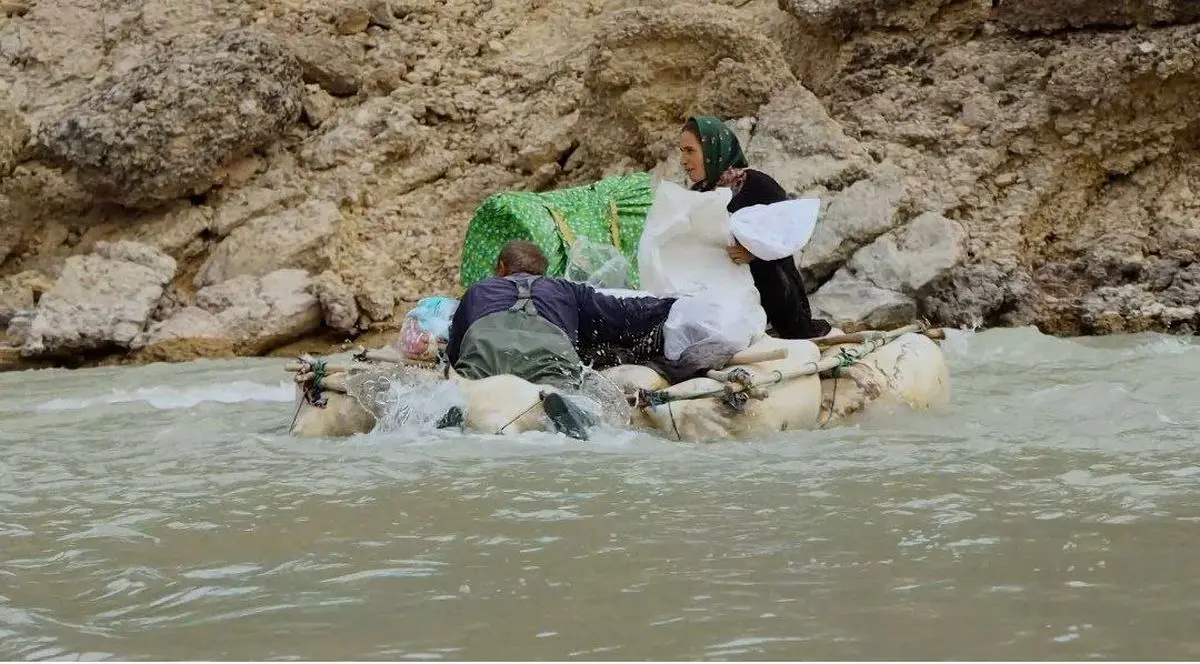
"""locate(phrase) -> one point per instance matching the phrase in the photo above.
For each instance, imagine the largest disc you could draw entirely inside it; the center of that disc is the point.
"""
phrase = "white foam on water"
(164, 397)
(414, 405)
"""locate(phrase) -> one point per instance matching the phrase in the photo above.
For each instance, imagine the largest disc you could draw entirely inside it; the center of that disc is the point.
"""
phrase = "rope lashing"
(310, 376)
(847, 357)
(738, 386)
(541, 399)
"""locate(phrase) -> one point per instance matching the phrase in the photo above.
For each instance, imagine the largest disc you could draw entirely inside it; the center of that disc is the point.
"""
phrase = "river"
(161, 512)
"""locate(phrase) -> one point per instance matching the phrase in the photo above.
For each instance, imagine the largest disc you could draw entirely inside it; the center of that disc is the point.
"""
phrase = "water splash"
(606, 397)
(404, 397)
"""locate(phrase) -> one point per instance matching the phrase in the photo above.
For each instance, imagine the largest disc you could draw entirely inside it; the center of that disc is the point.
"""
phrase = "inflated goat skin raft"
(806, 384)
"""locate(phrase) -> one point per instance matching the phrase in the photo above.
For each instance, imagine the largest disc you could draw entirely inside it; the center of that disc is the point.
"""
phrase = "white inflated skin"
(909, 371)
(341, 417)
(791, 404)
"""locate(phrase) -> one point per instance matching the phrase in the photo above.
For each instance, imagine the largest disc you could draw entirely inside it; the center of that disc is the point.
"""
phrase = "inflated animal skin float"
(775, 385)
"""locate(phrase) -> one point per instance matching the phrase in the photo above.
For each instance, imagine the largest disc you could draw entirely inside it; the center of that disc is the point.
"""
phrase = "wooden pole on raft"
(755, 387)
(756, 356)
(385, 354)
(937, 334)
(870, 342)
(874, 339)
(342, 368)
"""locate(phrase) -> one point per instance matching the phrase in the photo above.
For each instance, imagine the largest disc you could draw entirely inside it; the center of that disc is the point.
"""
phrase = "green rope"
(313, 391)
(847, 357)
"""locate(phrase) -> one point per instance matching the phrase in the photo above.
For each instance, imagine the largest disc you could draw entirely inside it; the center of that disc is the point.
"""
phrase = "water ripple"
(160, 511)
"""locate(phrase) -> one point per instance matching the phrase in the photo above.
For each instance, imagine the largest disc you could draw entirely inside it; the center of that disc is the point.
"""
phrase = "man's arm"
(458, 328)
(607, 319)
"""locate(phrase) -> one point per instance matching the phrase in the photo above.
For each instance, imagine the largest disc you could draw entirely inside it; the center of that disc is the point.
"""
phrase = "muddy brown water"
(161, 512)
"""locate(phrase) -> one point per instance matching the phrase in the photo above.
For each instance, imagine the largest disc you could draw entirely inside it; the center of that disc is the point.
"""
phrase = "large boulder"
(324, 63)
(881, 284)
(651, 67)
(245, 315)
(168, 127)
(338, 305)
(983, 293)
(853, 218)
(297, 237)
(380, 125)
(100, 302)
(848, 301)
(801, 146)
(908, 259)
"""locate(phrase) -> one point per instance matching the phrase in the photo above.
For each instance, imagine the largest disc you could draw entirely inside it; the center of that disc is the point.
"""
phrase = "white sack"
(682, 253)
(777, 230)
(713, 325)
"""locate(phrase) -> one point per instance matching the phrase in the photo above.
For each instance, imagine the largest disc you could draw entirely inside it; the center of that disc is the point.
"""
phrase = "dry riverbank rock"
(100, 301)
(326, 64)
(13, 135)
(338, 305)
(853, 218)
(650, 67)
(297, 237)
(802, 147)
(20, 293)
(1062, 141)
(1051, 15)
(168, 126)
(882, 283)
(245, 315)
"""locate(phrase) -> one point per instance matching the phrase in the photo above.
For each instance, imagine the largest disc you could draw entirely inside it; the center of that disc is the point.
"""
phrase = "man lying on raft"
(522, 323)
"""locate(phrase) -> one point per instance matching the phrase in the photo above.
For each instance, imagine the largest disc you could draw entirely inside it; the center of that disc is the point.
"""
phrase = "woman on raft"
(713, 158)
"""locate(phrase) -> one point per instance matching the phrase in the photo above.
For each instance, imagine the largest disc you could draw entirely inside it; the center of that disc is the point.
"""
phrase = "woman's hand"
(739, 254)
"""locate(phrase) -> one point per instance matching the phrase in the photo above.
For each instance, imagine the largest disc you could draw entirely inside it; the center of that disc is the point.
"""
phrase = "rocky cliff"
(214, 177)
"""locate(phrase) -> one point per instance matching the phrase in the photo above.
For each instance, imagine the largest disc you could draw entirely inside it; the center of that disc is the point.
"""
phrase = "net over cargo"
(610, 212)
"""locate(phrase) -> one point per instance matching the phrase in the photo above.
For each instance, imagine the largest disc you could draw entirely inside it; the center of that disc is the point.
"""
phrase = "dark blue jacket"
(587, 317)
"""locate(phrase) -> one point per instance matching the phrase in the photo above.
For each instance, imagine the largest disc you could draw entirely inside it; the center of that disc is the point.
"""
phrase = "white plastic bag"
(682, 253)
(710, 324)
(777, 230)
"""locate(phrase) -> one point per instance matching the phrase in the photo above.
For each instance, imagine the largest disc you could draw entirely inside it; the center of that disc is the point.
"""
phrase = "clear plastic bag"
(598, 265)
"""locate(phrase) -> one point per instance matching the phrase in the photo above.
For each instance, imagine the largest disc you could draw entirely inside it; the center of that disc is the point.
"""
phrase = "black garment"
(587, 317)
(638, 351)
(780, 287)
(521, 342)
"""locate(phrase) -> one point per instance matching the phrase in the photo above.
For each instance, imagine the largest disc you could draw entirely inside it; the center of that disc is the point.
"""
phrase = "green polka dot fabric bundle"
(611, 211)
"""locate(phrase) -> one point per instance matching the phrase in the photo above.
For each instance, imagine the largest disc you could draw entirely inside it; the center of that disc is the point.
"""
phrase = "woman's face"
(691, 156)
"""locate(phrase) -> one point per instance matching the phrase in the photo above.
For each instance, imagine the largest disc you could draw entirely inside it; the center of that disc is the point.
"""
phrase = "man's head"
(520, 256)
